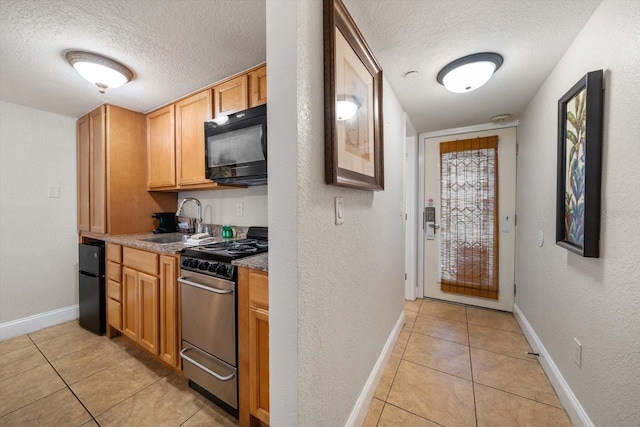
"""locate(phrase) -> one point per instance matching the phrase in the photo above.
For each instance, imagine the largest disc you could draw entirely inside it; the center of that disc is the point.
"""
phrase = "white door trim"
(410, 197)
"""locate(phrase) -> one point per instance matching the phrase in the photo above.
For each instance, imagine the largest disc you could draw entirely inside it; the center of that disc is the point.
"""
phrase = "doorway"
(469, 254)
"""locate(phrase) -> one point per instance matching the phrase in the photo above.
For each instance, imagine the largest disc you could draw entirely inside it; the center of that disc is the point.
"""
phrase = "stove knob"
(213, 267)
(193, 263)
(222, 269)
(203, 265)
(185, 262)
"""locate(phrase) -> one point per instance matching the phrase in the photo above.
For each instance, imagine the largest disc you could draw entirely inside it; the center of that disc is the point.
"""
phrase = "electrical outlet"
(577, 352)
(240, 209)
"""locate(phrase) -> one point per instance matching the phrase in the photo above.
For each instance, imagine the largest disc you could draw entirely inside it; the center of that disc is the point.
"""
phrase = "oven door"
(209, 314)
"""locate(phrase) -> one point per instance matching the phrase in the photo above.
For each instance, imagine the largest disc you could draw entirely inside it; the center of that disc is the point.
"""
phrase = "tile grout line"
(76, 396)
(65, 383)
(413, 413)
(522, 397)
(473, 383)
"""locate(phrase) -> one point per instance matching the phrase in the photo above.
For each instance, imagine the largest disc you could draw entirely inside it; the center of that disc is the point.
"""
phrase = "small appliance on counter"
(92, 287)
(167, 222)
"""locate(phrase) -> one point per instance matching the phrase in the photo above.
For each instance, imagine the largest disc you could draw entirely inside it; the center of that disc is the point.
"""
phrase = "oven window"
(235, 147)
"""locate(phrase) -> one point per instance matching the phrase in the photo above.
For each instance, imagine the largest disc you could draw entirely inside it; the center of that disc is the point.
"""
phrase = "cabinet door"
(231, 96)
(191, 113)
(169, 306)
(258, 87)
(259, 363)
(161, 148)
(83, 159)
(130, 303)
(149, 305)
(98, 171)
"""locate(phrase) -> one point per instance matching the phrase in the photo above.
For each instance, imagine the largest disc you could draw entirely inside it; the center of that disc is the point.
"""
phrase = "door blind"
(469, 217)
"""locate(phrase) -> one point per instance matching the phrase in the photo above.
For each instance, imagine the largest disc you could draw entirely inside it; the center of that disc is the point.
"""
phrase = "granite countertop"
(258, 262)
(135, 241)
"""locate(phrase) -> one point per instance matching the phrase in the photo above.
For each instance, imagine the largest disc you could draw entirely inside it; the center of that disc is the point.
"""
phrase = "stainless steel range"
(208, 284)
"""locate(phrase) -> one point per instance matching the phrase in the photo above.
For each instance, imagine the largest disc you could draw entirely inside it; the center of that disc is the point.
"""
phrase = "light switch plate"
(53, 191)
(339, 208)
(577, 352)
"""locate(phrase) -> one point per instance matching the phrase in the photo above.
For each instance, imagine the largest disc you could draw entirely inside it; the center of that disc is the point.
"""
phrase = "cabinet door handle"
(204, 368)
(206, 288)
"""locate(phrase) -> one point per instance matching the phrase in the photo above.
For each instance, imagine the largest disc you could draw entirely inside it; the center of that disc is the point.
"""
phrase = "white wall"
(413, 218)
(219, 206)
(335, 291)
(38, 245)
(561, 294)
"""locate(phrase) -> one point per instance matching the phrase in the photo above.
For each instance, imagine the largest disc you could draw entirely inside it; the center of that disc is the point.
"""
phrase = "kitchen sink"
(164, 239)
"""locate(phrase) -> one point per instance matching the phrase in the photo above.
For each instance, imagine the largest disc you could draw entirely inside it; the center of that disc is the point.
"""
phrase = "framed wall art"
(354, 150)
(580, 166)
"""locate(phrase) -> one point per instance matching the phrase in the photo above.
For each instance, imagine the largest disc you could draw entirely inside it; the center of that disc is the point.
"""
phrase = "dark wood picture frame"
(352, 158)
(580, 117)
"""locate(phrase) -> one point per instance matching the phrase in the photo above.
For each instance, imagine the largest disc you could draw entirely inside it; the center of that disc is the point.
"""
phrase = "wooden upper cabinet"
(98, 168)
(258, 87)
(112, 174)
(84, 171)
(161, 148)
(191, 113)
(231, 96)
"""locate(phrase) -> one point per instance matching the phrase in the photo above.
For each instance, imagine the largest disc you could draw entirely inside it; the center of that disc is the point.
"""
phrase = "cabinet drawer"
(114, 313)
(114, 290)
(146, 262)
(114, 271)
(259, 289)
(114, 253)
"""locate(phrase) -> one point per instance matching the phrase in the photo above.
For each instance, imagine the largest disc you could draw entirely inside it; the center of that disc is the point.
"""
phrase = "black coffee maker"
(167, 222)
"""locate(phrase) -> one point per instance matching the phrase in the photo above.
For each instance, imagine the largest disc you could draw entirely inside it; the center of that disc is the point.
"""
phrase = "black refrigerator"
(92, 287)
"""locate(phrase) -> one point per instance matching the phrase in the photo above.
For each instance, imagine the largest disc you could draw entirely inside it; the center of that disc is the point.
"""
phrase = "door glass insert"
(469, 217)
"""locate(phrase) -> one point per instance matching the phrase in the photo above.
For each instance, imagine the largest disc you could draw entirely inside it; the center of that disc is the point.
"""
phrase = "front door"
(469, 200)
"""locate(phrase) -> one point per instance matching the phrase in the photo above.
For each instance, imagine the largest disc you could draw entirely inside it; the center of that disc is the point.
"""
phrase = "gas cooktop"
(228, 250)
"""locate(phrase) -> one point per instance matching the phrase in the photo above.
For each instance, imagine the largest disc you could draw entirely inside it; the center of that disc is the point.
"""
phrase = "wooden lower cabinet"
(253, 347)
(148, 311)
(169, 311)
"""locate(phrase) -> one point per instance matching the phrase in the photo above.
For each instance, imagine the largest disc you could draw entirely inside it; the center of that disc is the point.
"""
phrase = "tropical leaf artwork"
(576, 126)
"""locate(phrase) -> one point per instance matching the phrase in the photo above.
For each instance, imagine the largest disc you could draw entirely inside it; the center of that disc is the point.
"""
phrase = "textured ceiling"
(174, 47)
(425, 35)
(178, 46)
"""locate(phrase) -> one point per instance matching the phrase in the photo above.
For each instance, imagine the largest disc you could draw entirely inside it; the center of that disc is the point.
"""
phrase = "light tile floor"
(456, 365)
(453, 365)
(67, 376)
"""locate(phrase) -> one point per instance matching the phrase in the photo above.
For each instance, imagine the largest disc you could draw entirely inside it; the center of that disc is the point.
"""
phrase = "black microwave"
(236, 147)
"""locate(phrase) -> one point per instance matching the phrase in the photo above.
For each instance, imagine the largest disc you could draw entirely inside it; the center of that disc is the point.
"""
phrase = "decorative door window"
(469, 217)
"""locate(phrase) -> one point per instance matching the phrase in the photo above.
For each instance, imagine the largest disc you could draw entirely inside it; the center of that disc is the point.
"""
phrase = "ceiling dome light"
(103, 72)
(470, 72)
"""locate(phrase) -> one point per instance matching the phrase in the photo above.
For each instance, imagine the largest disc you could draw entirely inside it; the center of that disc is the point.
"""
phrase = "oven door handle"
(204, 368)
(206, 288)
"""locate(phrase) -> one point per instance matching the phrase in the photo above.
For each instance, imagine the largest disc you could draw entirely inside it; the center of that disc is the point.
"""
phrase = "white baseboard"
(36, 322)
(571, 404)
(359, 412)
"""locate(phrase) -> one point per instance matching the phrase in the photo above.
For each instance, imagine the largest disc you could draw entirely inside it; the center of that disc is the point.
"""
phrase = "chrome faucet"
(197, 202)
